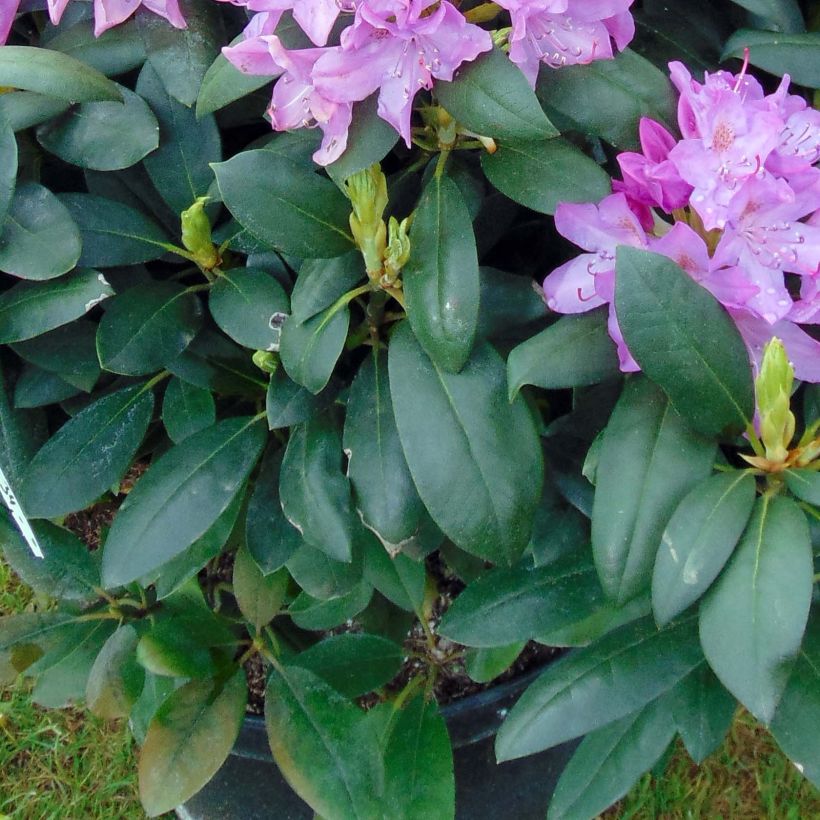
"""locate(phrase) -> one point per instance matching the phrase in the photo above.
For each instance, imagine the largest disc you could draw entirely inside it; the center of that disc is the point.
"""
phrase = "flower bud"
(367, 192)
(398, 250)
(196, 235)
(266, 361)
(773, 388)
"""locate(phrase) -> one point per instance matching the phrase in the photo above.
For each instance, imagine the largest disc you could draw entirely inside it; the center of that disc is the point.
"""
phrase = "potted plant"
(350, 461)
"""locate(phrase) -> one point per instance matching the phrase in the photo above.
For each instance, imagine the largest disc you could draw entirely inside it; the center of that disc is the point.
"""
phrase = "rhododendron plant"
(359, 357)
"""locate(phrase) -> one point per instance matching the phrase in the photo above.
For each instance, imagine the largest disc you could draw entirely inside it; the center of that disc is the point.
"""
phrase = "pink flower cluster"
(735, 203)
(107, 13)
(398, 47)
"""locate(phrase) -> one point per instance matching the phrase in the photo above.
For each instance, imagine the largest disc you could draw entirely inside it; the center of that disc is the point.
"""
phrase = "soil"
(452, 680)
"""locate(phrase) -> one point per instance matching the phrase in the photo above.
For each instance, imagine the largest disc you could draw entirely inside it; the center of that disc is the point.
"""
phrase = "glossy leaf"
(441, 281)
(384, 492)
(114, 52)
(22, 433)
(492, 97)
(703, 711)
(805, 484)
(39, 239)
(418, 761)
(88, 455)
(599, 684)
(698, 541)
(797, 55)
(68, 571)
(116, 679)
(285, 205)
(23, 109)
(288, 403)
(147, 327)
(399, 578)
(323, 746)
(182, 56)
(782, 15)
(753, 619)
(795, 722)
(607, 98)
(352, 664)
(188, 739)
(29, 309)
(648, 461)
(485, 665)
(483, 496)
(315, 495)
(540, 174)
(271, 539)
(683, 340)
(179, 497)
(179, 168)
(322, 281)
(113, 234)
(53, 74)
(259, 596)
(573, 352)
(609, 762)
(8, 173)
(186, 409)
(249, 305)
(24, 638)
(223, 84)
(504, 606)
(314, 614)
(103, 136)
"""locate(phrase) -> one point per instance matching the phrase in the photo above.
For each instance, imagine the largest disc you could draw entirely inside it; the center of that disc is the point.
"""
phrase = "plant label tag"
(17, 514)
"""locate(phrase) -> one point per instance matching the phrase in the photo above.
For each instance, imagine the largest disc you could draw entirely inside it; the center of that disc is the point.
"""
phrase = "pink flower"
(315, 17)
(107, 13)
(651, 178)
(398, 47)
(566, 32)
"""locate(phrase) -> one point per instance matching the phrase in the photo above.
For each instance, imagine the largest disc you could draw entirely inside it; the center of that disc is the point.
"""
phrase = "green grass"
(68, 765)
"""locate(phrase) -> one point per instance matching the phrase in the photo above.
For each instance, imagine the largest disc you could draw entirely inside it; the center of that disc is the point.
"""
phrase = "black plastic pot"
(250, 787)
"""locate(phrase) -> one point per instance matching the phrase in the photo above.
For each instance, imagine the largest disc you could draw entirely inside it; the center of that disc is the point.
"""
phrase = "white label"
(17, 514)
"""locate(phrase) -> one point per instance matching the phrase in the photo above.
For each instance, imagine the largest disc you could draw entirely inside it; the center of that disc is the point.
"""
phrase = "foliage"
(329, 361)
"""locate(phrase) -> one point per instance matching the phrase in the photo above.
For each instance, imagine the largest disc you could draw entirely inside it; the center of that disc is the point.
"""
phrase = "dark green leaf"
(36, 387)
(53, 74)
(22, 433)
(316, 615)
(352, 664)
(384, 492)
(223, 84)
(186, 409)
(321, 576)
(795, 723)
(492, 97)
(540, 174)
(168, 648)
(484, 494)
(88, 454)
(188, 740)
(25, 637)
(147, 327)
(323, 746)
(39, 238)
(29, 309)
(288, 403)
(315, 495)
(797, 55)
(180, 167)
(599, 684)
(805, 484)
(182, 56)
(698, 541)
(607, 98)
(322, 281)
(441, 281)
(782, 15)
(114, 52)
(285, 205)
(8, 172)
(269, 536)
(23, 109)
(399, 578)
(67, 571)
(103, 136)
(113, 234)
(752, 620)
(485, 665)
(609, 762)
(703, 711)
(116, 679)
(180, 496)
(259, 596)
(575, 351)
(683, 340)
(648, 461)
(418, 761)
(249, 305)
(505, 606)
